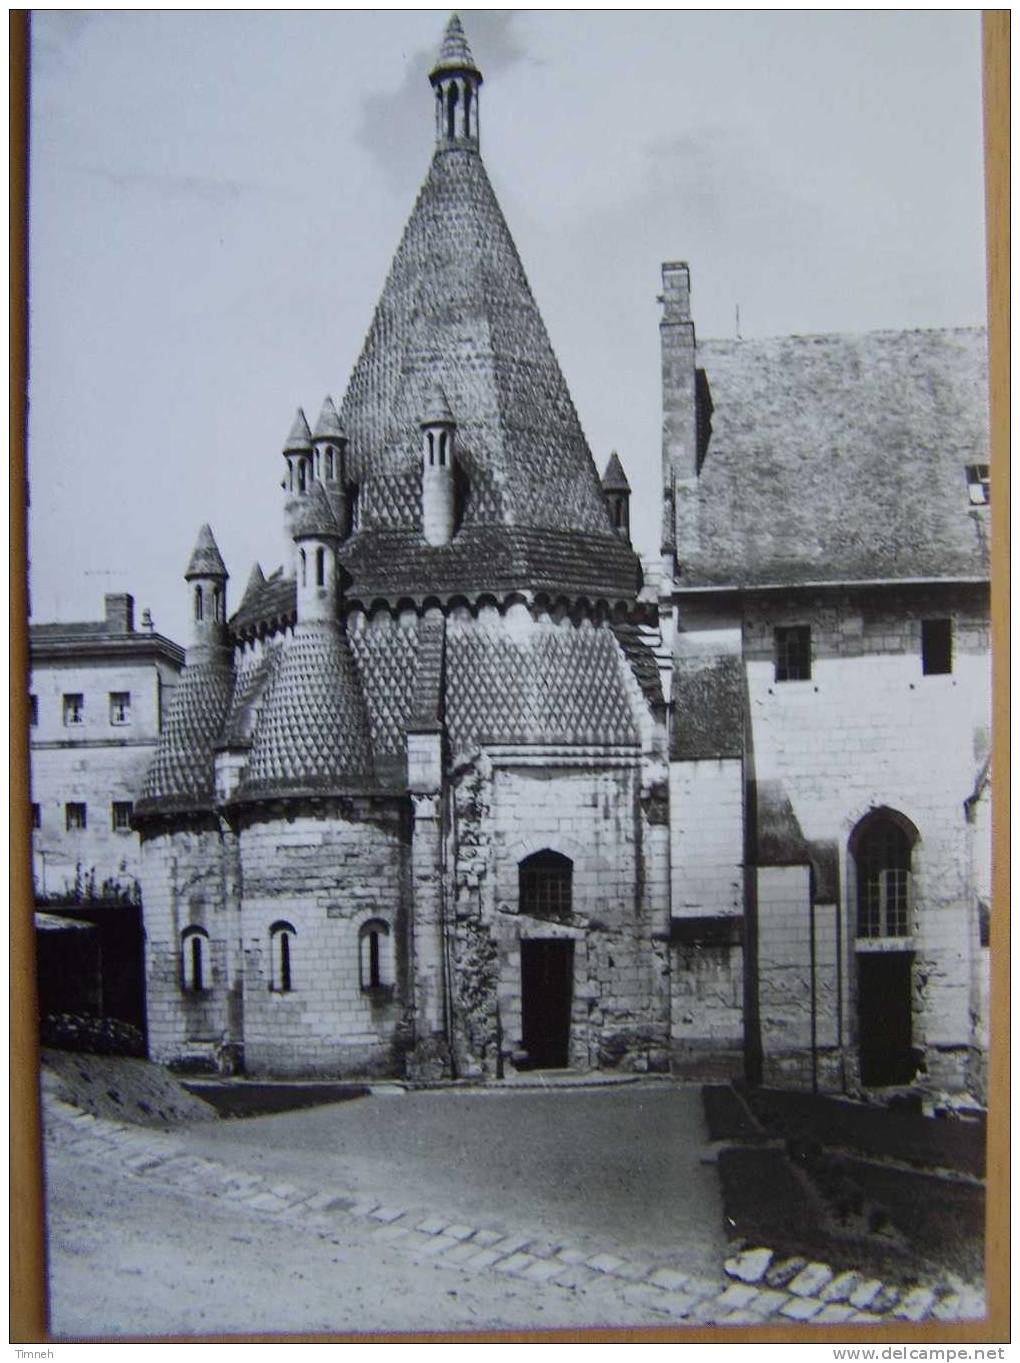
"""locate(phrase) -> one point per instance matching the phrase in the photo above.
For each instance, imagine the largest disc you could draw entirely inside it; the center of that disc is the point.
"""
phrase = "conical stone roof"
(206, 560)
(299, 441)
(328, 425)
(457, 310)
(313, 516)
(614, 479)
(313, 732)
(454, 53)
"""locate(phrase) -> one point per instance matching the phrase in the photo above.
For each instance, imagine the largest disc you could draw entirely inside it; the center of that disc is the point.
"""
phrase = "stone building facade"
(98, 693)
(460, 790)
(826, 527)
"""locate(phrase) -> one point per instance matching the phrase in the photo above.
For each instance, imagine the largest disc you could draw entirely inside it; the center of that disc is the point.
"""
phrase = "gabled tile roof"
(457, 310)
(182, 771)
(313, 733)
(838, 458)
(553, 684)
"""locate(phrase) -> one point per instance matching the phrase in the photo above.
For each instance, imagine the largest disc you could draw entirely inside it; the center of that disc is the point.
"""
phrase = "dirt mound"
(121, 1089)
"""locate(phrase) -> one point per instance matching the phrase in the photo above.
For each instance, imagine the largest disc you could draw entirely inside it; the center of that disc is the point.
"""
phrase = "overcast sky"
(215, 199)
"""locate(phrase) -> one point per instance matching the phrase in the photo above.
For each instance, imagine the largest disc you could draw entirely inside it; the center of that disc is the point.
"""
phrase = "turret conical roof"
(454, 53)
(614, 479)
(299, 441)
(206, 560)
(313, 517)
(435, 409)
(329, 425)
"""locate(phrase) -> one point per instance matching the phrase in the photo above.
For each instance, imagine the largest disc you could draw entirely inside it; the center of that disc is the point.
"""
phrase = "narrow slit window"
(281, 954)
(374, 955)
(194, 963)
(320, 567)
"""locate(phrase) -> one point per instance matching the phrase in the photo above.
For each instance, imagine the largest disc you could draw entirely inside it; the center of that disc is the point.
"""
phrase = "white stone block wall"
(325, 876)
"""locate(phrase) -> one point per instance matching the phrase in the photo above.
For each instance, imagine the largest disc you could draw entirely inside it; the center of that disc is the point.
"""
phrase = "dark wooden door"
(547, 989)
(884, 1027)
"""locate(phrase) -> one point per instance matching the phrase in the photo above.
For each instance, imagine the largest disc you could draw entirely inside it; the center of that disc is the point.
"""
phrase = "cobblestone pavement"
(751, 1288)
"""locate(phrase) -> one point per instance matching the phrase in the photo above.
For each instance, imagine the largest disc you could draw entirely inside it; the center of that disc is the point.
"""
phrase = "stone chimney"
(679, 398)
(120, 612)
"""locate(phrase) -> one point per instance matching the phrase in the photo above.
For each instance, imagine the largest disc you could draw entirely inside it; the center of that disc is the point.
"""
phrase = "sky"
(216, 196)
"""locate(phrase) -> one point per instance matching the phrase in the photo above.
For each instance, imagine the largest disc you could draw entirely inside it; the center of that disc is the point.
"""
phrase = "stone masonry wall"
(189, 879)
(326, 875)
(869, 730)
(508, 807)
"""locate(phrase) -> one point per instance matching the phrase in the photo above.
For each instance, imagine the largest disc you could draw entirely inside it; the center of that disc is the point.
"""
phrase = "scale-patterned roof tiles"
(457, 310)
(182, 771)
(552, 684)
(312, 734)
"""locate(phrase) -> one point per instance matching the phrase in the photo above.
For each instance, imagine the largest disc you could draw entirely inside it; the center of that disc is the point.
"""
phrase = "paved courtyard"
(415, 1211)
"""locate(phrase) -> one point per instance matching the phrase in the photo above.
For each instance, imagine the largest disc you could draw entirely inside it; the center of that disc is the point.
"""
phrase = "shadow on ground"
(894, 1194)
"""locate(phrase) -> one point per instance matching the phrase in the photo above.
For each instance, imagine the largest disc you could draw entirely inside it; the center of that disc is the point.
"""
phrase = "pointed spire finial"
(206, 560)
(454, 52)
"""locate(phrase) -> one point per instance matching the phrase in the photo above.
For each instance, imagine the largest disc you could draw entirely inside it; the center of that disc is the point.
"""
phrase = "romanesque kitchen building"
(454, 792)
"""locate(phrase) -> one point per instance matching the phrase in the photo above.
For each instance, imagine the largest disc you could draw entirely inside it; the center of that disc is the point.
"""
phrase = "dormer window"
(978, 484)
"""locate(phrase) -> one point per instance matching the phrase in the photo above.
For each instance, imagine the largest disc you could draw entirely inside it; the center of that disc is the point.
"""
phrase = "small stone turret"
(616, 491)
(330, 444)
(438, 492)
(316, 534)
(207, 574)
(456, 80)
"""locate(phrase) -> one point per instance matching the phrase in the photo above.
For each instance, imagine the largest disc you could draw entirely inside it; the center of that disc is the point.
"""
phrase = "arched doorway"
(547, 963)
(882, 847)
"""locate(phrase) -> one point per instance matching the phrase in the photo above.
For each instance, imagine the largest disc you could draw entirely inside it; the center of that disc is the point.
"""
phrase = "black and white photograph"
(509, 704)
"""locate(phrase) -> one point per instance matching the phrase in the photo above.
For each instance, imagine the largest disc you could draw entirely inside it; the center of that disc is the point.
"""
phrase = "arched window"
(545, 884)
(302, 476)
(442, 448)
(194, 960)
(467, 110)
(320, 567)
(432, 447)
(882, 848)
(198, 602)
(374, 954)
(329, 462)
(304, 567)
(217, 596)
(281, 957)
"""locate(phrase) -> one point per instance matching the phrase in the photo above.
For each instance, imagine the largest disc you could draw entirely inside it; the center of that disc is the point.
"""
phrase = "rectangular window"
(120, 816)
(120, 707)
(36, 817)
(936, 647)
(978, 484)
(793, 653)
(74, 817)
(33, 710)
(74, 709)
